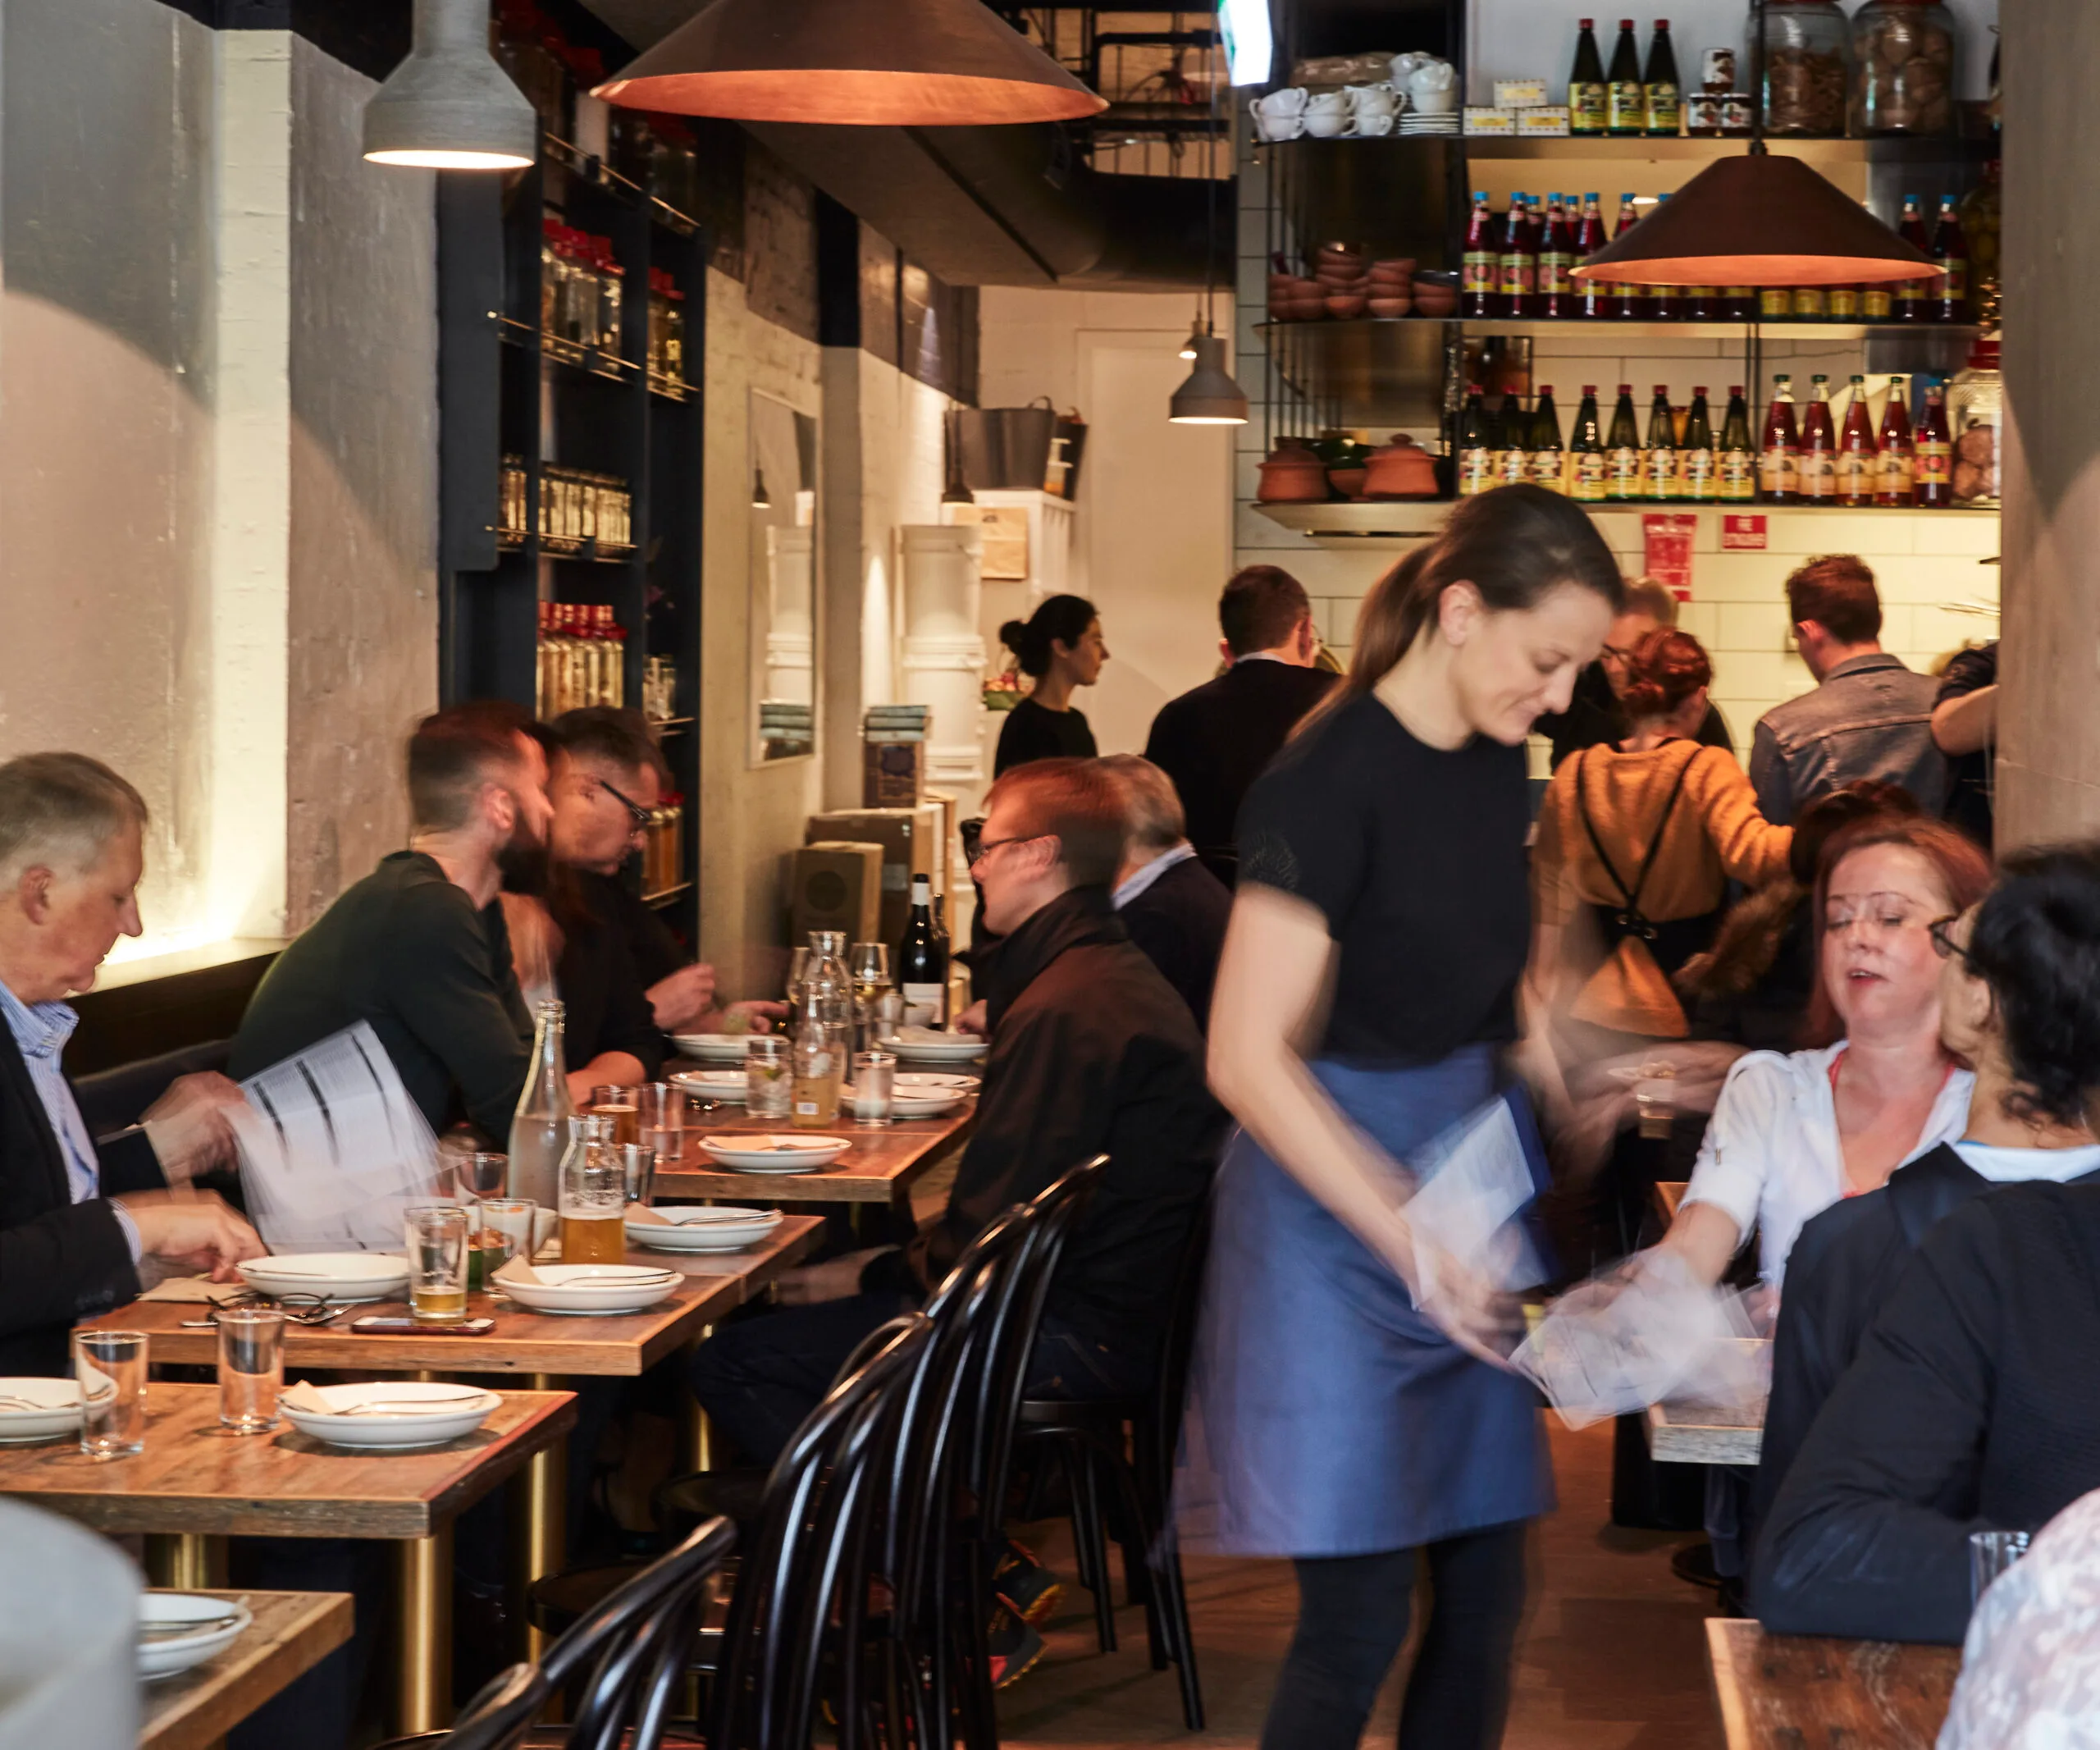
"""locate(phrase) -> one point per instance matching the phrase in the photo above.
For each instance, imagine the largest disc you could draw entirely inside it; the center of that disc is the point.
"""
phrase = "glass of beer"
(594, 1205)
(620, 1105)
(437, 1239)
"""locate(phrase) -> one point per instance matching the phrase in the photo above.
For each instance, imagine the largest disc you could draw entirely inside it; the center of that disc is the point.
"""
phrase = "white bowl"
(712, 1048)
(446, 1419)
(705, 1229)
(169, 1654)
(592, 1288)
(335, 1275)
(901, 1107)
(925, 1084)
(783, 1152)
(711, 1084)
(58, 1409)
(929, 1051)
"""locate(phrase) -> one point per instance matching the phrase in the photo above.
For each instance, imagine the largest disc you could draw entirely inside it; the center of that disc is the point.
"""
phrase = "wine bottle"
(1950, 256)
(1935, 452)
(1737, 460)
(1588, 103)
(1622, 451)
(1859, 465)
(1549, 465)
(1482, 263)
(1585, 451)
(1593, 298)
(1662, 96)
(1659, 478)
(1626, 104)
(1779, 462)
(1912, 299)
(1898, 483)
(1696, 469)
(1818, 465)
(1476, 450)
(922, 963)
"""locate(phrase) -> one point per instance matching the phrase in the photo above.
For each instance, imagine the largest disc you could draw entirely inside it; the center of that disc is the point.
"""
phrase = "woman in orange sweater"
(1636, 842)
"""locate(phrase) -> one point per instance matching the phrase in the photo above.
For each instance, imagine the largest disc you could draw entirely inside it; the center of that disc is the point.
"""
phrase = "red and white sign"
(1743, 534)
(1667, 539)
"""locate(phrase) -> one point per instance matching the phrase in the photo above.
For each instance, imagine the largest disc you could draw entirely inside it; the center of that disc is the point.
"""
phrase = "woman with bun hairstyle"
(1638, 840)
(1345, 1408)
(1060, 648)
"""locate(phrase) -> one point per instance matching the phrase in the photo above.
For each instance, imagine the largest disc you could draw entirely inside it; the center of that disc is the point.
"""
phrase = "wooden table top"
(292, 1632)
(194, 1477)
(623, 1344)
(882, 1166)
(1784, 1692)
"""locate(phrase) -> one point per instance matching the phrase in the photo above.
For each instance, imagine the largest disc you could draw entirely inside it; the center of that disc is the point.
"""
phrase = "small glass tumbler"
(436, 1240)
(638, 1163)
(477, 1177)
(511, 1218)
(251, 1367)
(618, 1104)
(768, 1077)
(111, 1366)
(663, 1118)
(1990, 1554)
(874, 1087)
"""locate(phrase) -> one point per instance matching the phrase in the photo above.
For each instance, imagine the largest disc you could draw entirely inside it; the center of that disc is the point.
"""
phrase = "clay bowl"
(1306, 310)
(1389, 307)
(1397, 267)
(1345, 306)
(1346, 254)
(1334, 277)
(1434, 300)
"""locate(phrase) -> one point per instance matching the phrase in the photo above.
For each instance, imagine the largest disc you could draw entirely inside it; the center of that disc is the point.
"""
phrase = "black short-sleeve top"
(1416, 856)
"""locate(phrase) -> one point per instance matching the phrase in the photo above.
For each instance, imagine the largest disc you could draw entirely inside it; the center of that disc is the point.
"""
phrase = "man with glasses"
(1594, 715)
(418, 947)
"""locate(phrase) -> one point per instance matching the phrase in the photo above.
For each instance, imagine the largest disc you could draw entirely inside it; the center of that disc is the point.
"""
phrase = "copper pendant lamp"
(878, 63)
(1758, 220)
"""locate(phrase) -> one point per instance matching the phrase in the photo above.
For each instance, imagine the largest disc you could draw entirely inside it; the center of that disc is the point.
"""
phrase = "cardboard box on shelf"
(838, 886)
(912, 844)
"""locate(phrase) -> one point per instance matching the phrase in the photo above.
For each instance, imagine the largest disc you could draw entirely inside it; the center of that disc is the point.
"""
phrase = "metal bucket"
(1004, 449)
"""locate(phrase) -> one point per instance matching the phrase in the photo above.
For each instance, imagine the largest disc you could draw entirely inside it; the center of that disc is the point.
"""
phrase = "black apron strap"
(1628, 918)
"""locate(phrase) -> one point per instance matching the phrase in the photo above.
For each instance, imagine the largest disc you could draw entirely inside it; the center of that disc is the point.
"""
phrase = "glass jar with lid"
(1808, 67)
(1903, 67)
(1975, 419)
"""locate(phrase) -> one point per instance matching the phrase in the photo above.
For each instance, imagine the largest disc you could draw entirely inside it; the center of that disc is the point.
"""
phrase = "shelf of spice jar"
(1632, 331)
(670, 388)
(585, 552)
(556, 351)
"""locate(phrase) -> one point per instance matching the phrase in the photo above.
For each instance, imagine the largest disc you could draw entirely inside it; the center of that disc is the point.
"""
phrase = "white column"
(944, 654)
(791, 627)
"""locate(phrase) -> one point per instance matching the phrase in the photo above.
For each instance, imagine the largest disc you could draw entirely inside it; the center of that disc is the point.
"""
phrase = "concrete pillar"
(2048, 767)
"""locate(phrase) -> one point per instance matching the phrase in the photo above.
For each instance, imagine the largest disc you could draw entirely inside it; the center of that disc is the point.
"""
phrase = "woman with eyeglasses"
(1792, 1134)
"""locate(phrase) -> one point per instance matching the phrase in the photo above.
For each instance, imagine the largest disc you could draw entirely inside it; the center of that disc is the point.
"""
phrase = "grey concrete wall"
(2049, 711)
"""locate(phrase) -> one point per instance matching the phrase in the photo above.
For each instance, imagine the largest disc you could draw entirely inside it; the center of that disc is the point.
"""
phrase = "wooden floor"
(1613, 1656)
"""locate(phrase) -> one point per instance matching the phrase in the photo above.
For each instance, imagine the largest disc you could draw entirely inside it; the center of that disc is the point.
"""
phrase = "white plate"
(925, 1084)
(754, 1153)
(337, 1276)
(727, 1084)
(705, 1229)
(169, 1654)
(712, 1048)
(945, 1051)
(592, 1288)
(57, 1411)
(446, 1419)
(901, 1107)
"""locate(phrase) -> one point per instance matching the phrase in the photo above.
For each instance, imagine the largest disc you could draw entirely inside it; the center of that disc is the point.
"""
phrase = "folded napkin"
(307, 1396)
(641, 1212)
(518, 1270)
(197, 1289)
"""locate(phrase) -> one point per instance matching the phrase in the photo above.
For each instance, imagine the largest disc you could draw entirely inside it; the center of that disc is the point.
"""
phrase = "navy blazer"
(59, 1261)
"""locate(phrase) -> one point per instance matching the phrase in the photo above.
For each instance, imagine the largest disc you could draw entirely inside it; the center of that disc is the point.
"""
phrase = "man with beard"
(418, 946)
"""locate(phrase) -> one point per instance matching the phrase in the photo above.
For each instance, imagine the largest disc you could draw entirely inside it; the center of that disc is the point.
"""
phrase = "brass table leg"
(186, 1560)
(539, 1524)
(696, 1432)
(423, 1629)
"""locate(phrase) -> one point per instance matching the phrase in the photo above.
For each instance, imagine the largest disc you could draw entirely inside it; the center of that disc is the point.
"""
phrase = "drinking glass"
(1990, 1554)
(870, 968)
(618, 1104)
(476, 1178)
(111, 1366)
(251, 1367)
(509, 1219)
(874, 1086)
(663, 1118)
(768, 1077)
(638, 1168)
(594, 1206)
(436, 1236)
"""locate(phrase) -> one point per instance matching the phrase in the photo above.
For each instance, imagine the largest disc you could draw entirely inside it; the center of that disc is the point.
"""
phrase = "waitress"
(1060, 648)
(1383, 858)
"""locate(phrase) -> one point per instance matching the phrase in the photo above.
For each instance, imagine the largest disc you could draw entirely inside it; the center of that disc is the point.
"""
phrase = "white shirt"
(1772, 1159)
(1149, 874)
(2017, 1166)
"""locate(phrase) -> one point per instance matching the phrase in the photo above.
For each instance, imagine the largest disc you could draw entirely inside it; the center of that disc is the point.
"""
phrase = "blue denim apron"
(1326, 1415)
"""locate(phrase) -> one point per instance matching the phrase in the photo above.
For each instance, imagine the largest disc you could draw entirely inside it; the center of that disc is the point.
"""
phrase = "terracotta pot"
(1400, 469)
(1291, 474)
(1344, 306)
(1389, 307)
(1348, 481)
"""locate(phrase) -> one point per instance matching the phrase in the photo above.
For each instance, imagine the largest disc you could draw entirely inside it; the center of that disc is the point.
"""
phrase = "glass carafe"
(831, 987)
(538, 1128)
(593, 1205)
(1975, 417)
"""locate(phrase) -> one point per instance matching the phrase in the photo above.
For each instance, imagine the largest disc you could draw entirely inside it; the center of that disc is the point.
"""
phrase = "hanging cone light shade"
(1210, 396)
(1762, 219)
(449, 106)
(878, 63)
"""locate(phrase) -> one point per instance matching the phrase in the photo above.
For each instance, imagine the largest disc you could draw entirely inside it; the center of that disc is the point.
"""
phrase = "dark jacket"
(1092, 1052)
(1871, 718)
(59, 1261)
(607, 1004)
(1970, 1407)
(656, 951)
(1179, 921)
(1842, 1270)
(1594, 716)
(1214, 740)
(405, 949)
